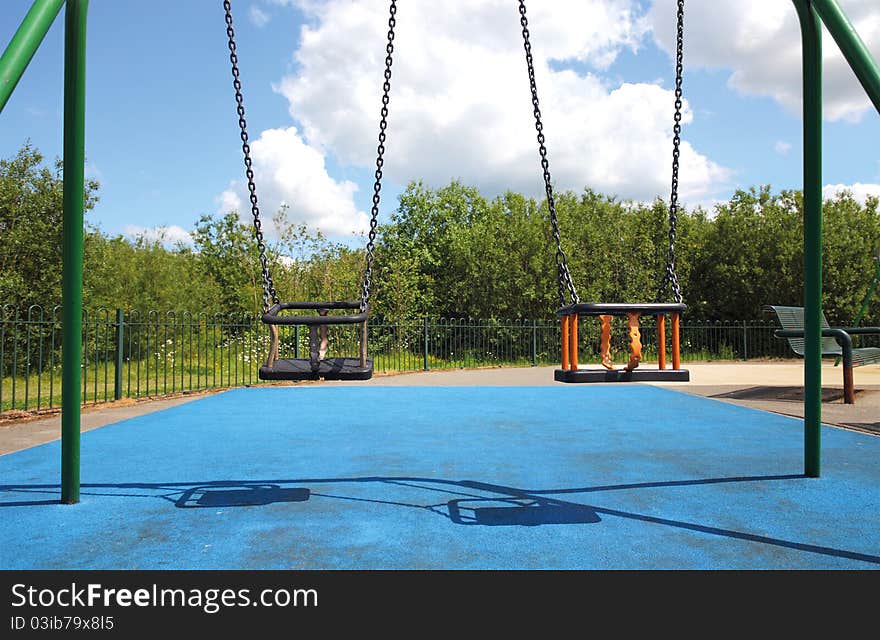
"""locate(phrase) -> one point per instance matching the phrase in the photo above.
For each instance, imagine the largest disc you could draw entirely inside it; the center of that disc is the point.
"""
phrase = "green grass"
(145, 379)
(139, 379)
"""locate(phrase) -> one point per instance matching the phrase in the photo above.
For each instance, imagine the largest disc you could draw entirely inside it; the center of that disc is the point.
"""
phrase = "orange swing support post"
(676, 341)
(569, 342)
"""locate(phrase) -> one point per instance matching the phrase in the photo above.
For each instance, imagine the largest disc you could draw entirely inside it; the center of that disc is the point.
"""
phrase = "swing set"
(318, 366)
(812, 15)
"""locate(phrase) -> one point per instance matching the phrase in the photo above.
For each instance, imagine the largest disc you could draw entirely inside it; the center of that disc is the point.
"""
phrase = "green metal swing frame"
(15, 59)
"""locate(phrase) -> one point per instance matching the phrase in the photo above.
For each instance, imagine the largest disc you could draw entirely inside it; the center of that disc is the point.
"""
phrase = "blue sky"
(162, 132)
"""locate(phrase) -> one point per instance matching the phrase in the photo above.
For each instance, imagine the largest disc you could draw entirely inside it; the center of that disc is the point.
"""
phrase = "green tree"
(31, 212)
(852, 239)
(751, 257)
(307, 266)
(228, 255)
(143, 274)
(451, 252)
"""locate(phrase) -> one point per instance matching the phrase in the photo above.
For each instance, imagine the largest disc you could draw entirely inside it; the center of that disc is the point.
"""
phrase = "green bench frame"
(836, 343)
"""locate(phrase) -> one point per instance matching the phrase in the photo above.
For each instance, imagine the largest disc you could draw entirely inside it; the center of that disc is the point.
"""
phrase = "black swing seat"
(619, 375)
(313, 367)
(328, 369)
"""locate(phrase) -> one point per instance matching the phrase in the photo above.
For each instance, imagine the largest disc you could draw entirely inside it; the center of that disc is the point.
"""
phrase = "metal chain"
(563, 276)
(380, 161)
(269, 293)
(670, 278)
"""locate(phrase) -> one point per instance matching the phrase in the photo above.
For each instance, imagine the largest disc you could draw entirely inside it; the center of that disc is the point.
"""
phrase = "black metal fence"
(130, 354)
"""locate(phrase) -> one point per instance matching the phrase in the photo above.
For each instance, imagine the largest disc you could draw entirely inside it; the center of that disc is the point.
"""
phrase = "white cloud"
(859, 191)
(229, 200)
(782, 147)
(288, 171)
(258, 17)
(759, 42)
(460, 104)
(168, 236)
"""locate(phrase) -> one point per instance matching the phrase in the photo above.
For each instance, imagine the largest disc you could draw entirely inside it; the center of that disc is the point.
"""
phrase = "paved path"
(15, 436)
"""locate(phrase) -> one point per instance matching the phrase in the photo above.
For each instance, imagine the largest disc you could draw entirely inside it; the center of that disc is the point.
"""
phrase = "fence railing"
(132, 354)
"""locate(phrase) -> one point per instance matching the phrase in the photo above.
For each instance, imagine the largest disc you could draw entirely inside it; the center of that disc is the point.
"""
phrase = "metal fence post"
(120, 343)
(426, 367)
(534, 342)
(296, 341)
(745, 340)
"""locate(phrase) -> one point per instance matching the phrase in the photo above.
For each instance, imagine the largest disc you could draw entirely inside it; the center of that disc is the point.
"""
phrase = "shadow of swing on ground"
(507, 506)
(519, 512)
(487, 511)
(246, 495)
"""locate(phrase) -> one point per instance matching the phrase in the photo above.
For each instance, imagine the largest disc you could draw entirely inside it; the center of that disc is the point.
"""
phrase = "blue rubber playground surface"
(560, 477)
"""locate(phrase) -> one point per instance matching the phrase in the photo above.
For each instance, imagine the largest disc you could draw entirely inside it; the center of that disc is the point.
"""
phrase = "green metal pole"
(852, 46)
(72, 243)
(24, 45)
(867, 71)
(811, 32)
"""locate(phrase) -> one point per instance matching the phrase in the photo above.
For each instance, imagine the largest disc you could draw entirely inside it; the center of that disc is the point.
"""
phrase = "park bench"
(836, 343)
